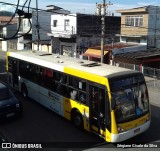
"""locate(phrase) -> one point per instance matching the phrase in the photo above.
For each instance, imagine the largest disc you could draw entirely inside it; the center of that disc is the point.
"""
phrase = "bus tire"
(77, 120)
(24, 91)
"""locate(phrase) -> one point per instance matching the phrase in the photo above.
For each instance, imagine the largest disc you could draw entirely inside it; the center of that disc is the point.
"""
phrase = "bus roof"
(60, 62)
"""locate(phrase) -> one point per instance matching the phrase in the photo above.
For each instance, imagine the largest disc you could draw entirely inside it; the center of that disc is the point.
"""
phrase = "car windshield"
(4, 94)
(131, 99)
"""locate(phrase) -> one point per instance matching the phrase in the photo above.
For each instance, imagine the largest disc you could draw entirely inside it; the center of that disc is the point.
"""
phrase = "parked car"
(10, 106)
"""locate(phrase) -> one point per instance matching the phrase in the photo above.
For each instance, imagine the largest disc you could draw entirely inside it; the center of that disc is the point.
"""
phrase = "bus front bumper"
(130, 133)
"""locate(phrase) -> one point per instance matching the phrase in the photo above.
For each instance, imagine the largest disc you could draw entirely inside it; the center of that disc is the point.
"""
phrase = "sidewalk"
(154, 90)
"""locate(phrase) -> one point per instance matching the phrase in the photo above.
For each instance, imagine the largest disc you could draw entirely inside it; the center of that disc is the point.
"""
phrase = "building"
(8, 28)
(72, 34)
(24, 33)
(111, 51)
(44, 20)
(4, 20)
(37, 28)
(141, 25)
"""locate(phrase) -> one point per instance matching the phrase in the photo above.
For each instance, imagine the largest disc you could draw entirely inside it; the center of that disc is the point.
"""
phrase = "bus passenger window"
(82, 97)
(82, 85)
(73, 94)
(60, 77)
(62, 90)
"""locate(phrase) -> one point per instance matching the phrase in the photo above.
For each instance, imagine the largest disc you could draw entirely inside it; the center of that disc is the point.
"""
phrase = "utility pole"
(102, 12)
(37, 26)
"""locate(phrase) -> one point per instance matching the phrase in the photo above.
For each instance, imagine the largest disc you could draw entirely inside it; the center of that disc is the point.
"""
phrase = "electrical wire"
(24, 4)
(13, 14)
(89, 27)
(19, 24)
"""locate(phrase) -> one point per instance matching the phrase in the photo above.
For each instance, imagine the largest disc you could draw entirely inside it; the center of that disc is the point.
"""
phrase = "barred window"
(136, 21)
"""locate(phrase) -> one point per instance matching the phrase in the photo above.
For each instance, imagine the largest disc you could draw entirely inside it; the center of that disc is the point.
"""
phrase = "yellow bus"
(110, 101)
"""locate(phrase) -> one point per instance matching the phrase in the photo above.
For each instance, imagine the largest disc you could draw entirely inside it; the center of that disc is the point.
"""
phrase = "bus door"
(15, 72)
(97, 108)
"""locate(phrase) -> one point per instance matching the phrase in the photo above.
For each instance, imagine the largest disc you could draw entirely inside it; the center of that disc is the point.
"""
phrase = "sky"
(83, 6)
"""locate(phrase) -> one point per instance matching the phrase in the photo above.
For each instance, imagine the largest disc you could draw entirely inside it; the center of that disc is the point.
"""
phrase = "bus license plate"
(10, 114)
(137, 130)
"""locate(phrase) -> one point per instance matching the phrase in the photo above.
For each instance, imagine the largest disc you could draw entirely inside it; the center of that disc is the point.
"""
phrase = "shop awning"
(94, 53)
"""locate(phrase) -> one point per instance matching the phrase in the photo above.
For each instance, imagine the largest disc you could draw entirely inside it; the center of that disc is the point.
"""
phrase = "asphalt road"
(40, 125)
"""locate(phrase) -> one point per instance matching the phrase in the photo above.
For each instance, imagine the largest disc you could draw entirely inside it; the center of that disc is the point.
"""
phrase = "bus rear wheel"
(77, 120)
(24, 91)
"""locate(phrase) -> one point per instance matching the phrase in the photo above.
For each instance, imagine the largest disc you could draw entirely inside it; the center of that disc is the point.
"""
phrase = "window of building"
(66, 24)
(136, 21)
(55, 23)
(26, 23)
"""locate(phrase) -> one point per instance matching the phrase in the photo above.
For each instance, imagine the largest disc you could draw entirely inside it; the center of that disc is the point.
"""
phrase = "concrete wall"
(59, 30)
(130, 30)
(44, 19)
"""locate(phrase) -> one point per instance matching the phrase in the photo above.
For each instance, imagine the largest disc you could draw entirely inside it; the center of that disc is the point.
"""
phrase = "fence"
(147, 71)
(152, 74)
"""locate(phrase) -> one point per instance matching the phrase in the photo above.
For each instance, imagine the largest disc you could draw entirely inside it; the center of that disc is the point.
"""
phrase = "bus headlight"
(120, 129)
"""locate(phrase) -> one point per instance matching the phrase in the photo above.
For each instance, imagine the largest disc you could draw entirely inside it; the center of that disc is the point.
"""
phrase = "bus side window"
(24, 69)
(82, 97)
(77, 89)
(9, 64)
(60, 83)
(46, 79)
(60, 77)
(73, 94)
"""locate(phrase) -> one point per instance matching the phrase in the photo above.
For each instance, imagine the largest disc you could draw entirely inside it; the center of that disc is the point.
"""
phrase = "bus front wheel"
(24, 91)
(77, 120)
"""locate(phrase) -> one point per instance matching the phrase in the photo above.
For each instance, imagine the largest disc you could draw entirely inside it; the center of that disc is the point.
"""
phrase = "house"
(5, 19)
(24, 33)
(72, 34)
(44, 18)
(37, 26)
(8, 29)
(141, 25)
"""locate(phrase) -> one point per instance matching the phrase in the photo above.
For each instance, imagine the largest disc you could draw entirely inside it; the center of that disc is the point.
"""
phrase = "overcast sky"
(82, 6)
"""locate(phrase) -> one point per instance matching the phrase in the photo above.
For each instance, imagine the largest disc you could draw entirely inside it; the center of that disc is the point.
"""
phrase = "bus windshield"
(131, 98)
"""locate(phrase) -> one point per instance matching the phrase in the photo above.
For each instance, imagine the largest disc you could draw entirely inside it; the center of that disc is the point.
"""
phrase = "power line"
(20, 13)
(69, 15)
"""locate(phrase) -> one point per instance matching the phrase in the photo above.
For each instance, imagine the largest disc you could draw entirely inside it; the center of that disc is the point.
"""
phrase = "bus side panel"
(49, 99)
(84, 110)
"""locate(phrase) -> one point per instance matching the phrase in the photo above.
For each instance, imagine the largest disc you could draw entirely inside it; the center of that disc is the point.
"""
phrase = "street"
(40, 125)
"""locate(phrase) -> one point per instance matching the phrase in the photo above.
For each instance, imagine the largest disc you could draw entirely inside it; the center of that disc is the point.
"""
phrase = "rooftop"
(4, 20)
(62, 63)
(140, 54)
